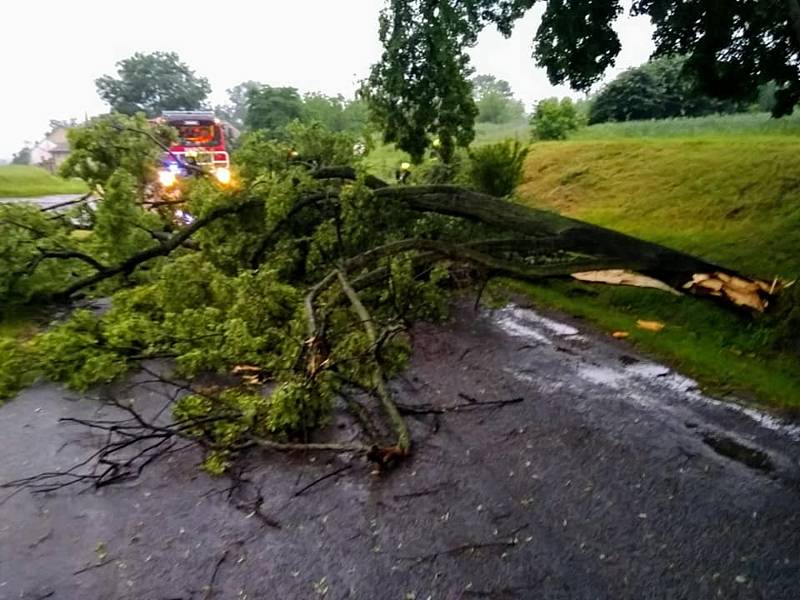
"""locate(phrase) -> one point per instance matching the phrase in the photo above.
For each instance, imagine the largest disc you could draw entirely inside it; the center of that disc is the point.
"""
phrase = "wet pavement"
(42, 201)
(614, 478)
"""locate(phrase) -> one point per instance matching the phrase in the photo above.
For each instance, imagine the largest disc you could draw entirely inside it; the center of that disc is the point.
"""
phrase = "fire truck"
(200, 148)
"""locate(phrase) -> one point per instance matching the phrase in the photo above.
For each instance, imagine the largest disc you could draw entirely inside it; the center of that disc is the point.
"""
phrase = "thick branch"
(573, 235)
(466, 253)
(66, 254)
(82, 199)
(348, 173)
(389, 407)
(163, 249)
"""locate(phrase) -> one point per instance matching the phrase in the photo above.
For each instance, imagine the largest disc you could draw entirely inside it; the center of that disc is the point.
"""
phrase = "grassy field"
(734, 199)
(713, 125)
(22, 181)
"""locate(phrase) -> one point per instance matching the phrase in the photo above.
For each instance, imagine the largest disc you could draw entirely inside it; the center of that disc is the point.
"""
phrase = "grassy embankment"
(22, 181)
(725, 188)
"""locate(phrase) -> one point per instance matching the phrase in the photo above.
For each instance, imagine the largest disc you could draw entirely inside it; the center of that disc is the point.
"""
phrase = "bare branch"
(81, 200)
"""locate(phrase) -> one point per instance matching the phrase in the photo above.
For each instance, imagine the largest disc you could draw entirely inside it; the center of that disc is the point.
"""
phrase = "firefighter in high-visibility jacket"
(402, 174)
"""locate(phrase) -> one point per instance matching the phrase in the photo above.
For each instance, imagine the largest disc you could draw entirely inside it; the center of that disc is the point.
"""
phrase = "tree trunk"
(677, 268)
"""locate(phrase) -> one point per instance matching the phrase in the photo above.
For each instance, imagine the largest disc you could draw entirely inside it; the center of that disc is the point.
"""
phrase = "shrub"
(554, 119)
(496, 169)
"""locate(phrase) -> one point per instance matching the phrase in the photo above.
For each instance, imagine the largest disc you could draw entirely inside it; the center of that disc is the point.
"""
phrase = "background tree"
(554, 119)
(272, 108)
(235, 111)
(23, 157)
(658, 89)
(495, 100)
(420, 89)
(417, 90)
(487, 84)
(152, 83)
(335, 112)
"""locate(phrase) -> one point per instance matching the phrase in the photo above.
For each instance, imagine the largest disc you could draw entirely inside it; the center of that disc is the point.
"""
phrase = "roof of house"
(58, 137)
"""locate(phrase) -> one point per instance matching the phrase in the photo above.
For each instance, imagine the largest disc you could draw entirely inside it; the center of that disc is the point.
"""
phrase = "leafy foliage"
(94, 160)
(337, 113)
(235, 111)
(734, 47)
(15, 371)
(497, 169)
(419, 90)
(272, 108)
(23, 157)
(219, 305)
(554, 119)
(152, 83)
(495, 100)
(659, 89)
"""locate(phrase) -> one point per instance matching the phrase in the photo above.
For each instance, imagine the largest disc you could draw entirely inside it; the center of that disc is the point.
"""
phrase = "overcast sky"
(51, 51)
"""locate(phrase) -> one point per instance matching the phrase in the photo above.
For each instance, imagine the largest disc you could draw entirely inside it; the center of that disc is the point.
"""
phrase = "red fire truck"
(200, 148)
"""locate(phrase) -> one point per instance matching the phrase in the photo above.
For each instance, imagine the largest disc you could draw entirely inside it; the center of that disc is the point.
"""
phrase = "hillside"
(734, 200)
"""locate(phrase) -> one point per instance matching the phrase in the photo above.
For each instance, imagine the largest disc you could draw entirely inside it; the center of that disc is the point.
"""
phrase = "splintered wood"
(750, 293)
(747, 293)
(624, 277)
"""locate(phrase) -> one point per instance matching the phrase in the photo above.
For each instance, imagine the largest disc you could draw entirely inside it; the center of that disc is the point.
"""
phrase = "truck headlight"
(166, 178)
(223, 175)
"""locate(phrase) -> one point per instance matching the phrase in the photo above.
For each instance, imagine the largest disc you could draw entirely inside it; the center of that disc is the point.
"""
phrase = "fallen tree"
(298, 282)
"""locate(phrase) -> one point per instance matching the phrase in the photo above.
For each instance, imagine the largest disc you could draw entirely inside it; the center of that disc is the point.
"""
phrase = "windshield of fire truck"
(201, 135)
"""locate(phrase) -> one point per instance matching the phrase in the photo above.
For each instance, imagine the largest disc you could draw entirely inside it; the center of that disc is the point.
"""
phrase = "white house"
(52, 151)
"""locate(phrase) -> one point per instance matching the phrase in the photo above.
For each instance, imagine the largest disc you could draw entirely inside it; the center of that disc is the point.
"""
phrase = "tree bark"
(571, 234)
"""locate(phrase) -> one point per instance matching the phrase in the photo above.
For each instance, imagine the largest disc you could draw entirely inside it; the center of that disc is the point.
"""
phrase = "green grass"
(22, 181)
(734, 199)
(723, 350)
(713, 125)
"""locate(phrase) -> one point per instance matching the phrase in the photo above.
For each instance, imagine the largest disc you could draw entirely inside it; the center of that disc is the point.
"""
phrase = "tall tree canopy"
(152, 83)
(495, 100)
(419, 89)
(272, 108)
(337, 113)
(235, 111)
(659, 89)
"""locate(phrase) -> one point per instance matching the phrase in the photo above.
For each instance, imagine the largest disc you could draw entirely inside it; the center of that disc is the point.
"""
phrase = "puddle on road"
(523, 322)
(730, 448)
(637, 378)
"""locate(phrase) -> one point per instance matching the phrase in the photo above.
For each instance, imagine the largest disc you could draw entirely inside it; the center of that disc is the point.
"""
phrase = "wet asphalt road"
(42, 201)
(613, 478)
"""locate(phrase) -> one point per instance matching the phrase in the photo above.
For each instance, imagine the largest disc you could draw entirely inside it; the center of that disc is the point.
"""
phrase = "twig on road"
(305, 488)
(95, 566)
(509, 542)
(210, 587)
(428, 409)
